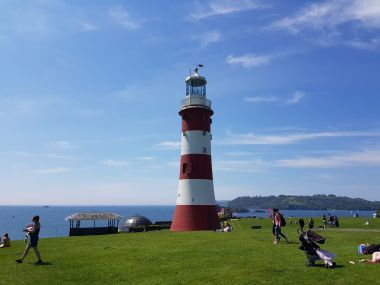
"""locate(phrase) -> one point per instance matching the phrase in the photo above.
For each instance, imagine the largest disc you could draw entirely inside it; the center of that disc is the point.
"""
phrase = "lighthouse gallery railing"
(195, 100)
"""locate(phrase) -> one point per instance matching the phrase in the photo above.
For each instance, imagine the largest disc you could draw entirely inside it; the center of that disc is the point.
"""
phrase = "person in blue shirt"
(33, 231)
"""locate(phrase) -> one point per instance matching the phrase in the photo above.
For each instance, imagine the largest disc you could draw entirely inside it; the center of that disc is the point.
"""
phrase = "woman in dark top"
(33, 232)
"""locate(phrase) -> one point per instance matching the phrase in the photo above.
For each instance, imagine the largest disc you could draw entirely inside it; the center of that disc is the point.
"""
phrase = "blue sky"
(90, 92)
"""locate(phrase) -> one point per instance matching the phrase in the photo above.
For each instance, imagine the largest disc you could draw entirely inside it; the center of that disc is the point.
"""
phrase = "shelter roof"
(94, 216)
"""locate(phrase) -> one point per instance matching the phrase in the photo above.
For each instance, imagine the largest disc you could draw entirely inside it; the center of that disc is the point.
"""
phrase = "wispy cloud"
(62, 145)
(48, 155)
(332, 19)
(50, 171)
(147, 158)
(122, 17)
(28, 106)
(249, 60)
(252, 60)
(363, 158)
(88, 27)
(239, 165)
(208, 38)
(114, 163)
(253, 139)
(224, 7)
(294, 99)
(372, 44)
(261, 99)
(168, 145)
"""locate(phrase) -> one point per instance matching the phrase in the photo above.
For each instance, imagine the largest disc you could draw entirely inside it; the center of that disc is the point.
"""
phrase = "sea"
(53, 224)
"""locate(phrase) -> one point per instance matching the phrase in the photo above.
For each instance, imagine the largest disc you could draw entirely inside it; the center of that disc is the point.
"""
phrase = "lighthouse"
(195, 206)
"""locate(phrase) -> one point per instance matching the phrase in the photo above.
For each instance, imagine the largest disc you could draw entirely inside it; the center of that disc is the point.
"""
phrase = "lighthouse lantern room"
(195, 205)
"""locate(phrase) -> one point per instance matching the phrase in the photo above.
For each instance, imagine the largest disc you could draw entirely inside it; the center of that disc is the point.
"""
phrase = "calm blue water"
(53, 223)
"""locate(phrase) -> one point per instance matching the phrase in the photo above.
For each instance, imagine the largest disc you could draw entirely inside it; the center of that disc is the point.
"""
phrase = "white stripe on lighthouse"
(195, 192)
(196, 142)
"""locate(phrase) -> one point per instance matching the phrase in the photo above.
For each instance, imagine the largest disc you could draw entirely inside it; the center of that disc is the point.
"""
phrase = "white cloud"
(241, 153)
(122, 17)
(88, 27)
(364, 158)
(114, 163)
(260, 99)
(48, 155)
(372, 44)
(168, 145)
(49, 171)
(239, 165)
(328, 18)
(62, 145)
(40, 20)
(224, 7)
(253, 139)
(297, 96)
(58, 156)
(208, 38)
(294, 99)
(249, 60)
(147, 158)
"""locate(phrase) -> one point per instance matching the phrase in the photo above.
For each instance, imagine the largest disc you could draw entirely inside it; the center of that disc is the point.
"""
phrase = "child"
(6, 241)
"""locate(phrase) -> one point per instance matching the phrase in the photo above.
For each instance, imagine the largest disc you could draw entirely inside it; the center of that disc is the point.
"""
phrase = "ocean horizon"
(53, 223)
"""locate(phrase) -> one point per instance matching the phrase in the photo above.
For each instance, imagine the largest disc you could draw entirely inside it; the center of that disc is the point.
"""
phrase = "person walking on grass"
(311, 223)
(33, 231)
(277, 229)
(301, 223)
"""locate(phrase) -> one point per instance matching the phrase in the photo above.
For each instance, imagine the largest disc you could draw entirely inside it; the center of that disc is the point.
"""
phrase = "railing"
(196, 101)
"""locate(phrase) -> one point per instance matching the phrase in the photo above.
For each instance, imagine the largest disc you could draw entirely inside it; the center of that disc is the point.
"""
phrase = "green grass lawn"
(244, 256)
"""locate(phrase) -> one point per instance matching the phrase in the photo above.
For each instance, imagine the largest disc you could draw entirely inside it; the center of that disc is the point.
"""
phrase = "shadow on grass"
(323, 266)
(43, 263)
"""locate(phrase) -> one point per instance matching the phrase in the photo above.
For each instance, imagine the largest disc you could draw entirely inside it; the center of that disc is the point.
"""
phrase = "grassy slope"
(244, 256)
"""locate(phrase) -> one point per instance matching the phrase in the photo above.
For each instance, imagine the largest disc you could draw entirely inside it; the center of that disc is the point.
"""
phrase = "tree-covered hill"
(315, 202)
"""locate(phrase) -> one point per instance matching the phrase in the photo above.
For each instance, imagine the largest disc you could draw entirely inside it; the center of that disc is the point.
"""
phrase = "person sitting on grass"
(375, 258)
(6, 241)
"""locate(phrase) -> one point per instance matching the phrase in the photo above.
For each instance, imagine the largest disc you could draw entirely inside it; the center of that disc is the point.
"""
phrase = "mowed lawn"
(244, 256)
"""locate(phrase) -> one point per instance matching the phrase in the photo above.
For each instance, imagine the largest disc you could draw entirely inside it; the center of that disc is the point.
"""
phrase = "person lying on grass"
(375, 258)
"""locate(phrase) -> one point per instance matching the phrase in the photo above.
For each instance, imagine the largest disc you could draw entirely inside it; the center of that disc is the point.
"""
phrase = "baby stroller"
(309, 244)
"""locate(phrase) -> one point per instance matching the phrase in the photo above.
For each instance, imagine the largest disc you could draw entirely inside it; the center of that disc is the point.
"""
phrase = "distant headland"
(314, 202)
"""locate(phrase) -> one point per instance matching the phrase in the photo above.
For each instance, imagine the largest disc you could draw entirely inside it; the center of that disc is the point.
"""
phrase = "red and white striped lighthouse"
(195, 207)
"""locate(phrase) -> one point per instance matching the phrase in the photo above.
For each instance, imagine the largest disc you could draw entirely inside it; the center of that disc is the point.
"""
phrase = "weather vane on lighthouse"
(195, 205)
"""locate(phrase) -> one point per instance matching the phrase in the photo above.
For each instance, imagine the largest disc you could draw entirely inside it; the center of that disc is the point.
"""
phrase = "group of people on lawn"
(333, 221)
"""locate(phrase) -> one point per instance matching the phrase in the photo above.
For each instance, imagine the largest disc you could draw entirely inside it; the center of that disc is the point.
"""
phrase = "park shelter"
(77, 230)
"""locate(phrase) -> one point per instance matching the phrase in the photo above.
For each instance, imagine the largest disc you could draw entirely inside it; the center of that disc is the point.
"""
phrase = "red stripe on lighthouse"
(196, 119)
(195, 218)
(196, 166)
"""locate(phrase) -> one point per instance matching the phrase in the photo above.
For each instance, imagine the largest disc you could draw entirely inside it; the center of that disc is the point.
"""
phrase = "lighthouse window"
(204, 150)
(186, 167)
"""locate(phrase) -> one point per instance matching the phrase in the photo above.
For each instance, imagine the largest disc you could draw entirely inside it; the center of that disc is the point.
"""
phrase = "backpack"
(283, 221)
